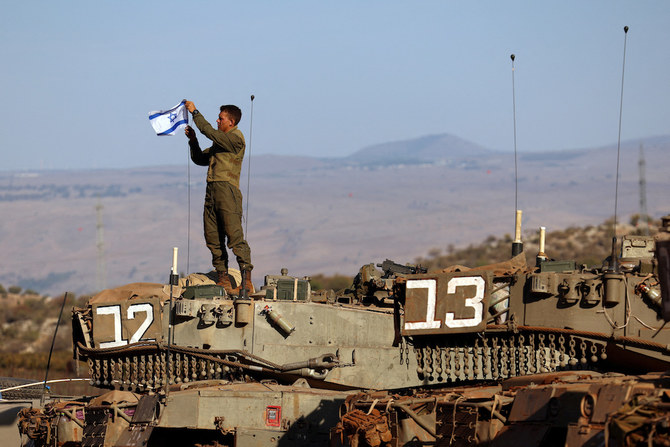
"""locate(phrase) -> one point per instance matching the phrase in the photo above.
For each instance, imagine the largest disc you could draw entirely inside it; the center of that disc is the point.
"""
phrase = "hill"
(398, 201)
(589, 245)
(442, 150)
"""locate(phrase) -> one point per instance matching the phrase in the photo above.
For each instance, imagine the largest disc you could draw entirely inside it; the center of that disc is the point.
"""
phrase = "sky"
(79, 78)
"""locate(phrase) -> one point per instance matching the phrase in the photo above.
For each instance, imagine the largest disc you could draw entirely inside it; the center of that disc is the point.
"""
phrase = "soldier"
(223, 199)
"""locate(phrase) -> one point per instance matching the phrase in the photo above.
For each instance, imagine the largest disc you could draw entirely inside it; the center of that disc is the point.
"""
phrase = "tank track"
(503, 355)
(144, 367)
(500, 353)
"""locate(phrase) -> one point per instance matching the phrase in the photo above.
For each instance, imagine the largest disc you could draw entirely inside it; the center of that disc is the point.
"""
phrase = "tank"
(548, 354)
(558, 354)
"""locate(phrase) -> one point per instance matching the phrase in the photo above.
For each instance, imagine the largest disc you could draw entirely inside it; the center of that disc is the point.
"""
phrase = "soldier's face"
(225, 123)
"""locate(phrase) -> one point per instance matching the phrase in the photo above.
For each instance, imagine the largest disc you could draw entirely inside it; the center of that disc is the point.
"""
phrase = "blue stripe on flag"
(171, 129)
(156, 115)
(165, 112)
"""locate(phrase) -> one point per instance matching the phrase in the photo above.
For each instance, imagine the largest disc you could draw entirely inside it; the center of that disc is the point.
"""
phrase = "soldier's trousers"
(223, 220)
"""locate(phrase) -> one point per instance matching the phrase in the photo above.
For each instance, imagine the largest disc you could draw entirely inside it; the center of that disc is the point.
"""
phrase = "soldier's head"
(229, 117)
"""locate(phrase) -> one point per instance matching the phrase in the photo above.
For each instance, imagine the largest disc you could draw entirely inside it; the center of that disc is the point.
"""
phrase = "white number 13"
(474, 302)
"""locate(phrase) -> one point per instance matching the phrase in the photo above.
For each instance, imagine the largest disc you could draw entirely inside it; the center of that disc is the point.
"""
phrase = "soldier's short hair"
(233, 111)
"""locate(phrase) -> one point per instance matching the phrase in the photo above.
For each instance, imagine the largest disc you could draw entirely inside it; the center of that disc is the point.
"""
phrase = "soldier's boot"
(224, 281)
(246, 286)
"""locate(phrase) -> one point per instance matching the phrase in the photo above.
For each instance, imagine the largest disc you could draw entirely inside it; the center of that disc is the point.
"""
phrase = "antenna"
(614, 267)
(51, 350)
(644, 217)
(101, 271)
(618, 148)
(517, 245)
(516, 176)
(251, 127)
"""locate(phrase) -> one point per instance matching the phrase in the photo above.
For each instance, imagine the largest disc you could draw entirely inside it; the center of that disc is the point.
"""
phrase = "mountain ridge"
(428, 148)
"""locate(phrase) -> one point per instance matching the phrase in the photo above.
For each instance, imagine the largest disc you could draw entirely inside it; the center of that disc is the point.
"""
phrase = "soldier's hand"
(189, 106)
(190, 133)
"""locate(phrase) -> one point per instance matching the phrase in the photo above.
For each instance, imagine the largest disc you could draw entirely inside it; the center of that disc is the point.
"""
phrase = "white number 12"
(115, 310)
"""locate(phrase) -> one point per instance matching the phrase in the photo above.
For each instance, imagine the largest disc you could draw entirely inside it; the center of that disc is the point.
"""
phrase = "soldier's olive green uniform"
(223, 199)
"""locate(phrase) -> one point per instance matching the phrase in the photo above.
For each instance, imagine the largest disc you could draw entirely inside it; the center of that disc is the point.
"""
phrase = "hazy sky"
(80, 77)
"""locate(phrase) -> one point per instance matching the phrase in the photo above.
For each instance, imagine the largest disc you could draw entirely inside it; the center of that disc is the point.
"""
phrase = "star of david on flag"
(166, 122)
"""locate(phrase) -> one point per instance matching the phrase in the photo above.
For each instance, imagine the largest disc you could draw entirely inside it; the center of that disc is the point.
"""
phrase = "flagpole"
(188, 189)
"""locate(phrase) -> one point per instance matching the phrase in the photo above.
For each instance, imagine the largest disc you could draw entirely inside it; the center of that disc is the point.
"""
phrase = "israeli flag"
(168, 121)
